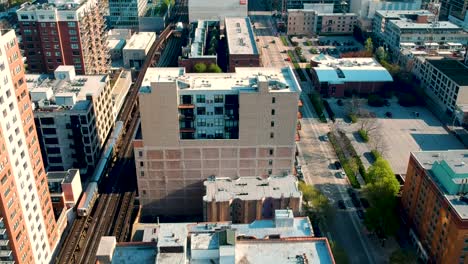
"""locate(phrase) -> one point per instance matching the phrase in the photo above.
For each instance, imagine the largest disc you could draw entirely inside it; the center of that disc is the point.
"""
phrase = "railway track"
(112, 212)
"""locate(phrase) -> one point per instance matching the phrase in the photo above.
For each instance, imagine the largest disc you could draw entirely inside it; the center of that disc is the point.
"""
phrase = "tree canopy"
(214, 68)
(369, 45)
(199, 67)
(381, 191)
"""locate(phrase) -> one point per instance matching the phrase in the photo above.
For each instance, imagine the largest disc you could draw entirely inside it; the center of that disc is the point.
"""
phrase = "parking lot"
(403, 133)
(331, 45)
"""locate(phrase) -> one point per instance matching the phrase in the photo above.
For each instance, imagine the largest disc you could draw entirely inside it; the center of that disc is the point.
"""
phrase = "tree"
(353, 165)
(200, 67)
(381, 54)
(381, 191)
(214, 68)
(320, 203)
(369, 45)
(401, 256)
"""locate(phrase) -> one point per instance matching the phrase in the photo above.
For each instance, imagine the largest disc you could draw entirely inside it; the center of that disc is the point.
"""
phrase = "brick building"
(247, 199)
(334, 77)
(435, 205)
(57, 34)
(214, 124)
(242, 47)
(28, 230)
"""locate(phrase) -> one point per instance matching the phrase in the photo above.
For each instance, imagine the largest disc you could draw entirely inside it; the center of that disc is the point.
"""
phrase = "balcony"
(184, 117)
(187, 130)
(186, 106)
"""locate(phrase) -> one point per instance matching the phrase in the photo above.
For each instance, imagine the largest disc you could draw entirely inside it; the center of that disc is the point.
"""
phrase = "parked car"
(337, 165)
(360, 214)
(340, 102)
(342, 174)
(389, 114)
(287, 59)
(325, 138)
(341, 204)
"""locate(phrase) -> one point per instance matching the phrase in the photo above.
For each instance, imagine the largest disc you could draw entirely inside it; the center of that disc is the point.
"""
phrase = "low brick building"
(242, 47)
(249, 198)
(333, 77)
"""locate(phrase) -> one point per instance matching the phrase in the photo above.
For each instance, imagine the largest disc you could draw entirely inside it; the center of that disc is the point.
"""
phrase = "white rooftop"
(66, 85)
(406, 24)
(298, 250)
(240, 36)
(140, 41)
(244, 79)
(402, 13)
(251, 188)
(338, 71)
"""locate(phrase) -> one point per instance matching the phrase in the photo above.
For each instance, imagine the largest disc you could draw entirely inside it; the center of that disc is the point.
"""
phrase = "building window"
(270, 171)
(75, 46)
(270, 162)
(272, 111)
(273, 100)
(218, 98)
(271, 152)
(272, 135)
(201, 110)
(218, 110)
(272, 123)
(200, 98)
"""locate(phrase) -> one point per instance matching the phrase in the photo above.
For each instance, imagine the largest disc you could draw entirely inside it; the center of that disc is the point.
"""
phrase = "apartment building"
(28, 231)
(366, 8)
(125, 14)
(137, 47)
(282, 239)
(242, 47)
(58, 33)
(435, 204)
(444, 81)
(338, 6)
(454, 11)
(247, 199)
(216, 9)
(400, 28)
(199, 125)
(319, 19)
(73, 115)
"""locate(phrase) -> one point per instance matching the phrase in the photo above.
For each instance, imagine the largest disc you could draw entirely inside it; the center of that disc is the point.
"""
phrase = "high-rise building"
(214, 124)
(74, 115)
(28, 232)
(58, 33)
(124, 13)
(435, 205)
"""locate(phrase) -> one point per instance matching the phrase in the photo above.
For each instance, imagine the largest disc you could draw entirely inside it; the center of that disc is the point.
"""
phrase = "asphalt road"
(266, 34)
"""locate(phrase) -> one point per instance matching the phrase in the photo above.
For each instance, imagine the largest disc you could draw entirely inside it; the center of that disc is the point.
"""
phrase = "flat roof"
(244, 79)
(447, 169)
(454, 70)
(66, 176)
(299, 250)
(260, 229)
(407, 24)
(338, 71)
(251, 188)
(79, 86)
(140, 40)
(240, 36)
(134, 253)
(399, 13)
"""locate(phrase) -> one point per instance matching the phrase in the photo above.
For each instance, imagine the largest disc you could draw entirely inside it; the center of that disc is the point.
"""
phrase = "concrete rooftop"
(250, 188)
(245, 79)
(240, 36)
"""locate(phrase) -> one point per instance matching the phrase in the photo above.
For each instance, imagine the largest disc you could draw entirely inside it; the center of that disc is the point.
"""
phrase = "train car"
(107, 153)
(88, 199)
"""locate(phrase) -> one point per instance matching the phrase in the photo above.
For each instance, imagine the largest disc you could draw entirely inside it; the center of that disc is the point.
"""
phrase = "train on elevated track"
(107, 157)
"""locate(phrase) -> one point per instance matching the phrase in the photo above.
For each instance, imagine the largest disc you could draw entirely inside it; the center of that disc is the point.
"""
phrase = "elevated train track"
(112, 211)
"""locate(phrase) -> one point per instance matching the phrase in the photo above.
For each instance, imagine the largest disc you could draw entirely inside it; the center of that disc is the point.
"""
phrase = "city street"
(316, 157)
(266, 34)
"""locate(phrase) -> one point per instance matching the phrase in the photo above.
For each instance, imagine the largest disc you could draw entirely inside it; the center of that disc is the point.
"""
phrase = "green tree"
(369, 45)
(381, 191)
(319, 202)
(199, 67)
(381, 54)
(214, 68)
(401, 256)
